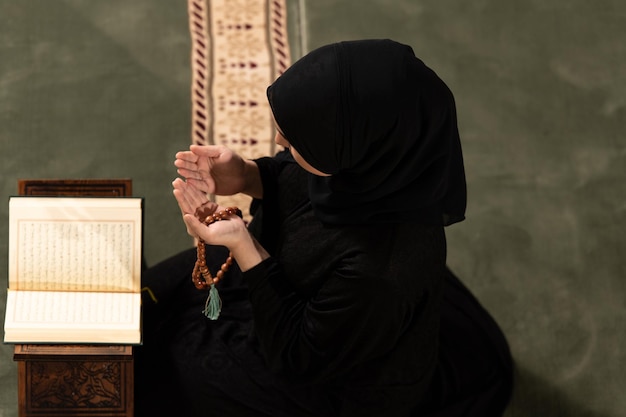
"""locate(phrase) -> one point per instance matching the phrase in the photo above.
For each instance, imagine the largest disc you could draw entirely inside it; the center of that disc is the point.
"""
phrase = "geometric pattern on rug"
(238, 48)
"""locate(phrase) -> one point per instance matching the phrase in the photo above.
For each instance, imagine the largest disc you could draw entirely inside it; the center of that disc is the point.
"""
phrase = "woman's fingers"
(188, 198)
(187, 156)
(182, 164)
(206, 151)
(181, 198)
(191, 200)
(187, 165)
(205, 185)
(193, 225)
(196, 168)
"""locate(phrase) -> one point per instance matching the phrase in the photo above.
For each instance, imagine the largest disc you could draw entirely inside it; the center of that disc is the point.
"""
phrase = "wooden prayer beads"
(201, 276)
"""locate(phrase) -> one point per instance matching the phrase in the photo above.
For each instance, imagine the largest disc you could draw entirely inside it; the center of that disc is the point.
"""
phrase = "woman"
(340, 302)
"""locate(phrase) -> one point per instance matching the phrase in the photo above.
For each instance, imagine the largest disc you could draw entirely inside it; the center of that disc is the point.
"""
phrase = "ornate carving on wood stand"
(75, 384)
(75, 380)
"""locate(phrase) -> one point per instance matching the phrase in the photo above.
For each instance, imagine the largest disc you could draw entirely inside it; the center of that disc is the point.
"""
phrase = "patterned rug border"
(238, 48)
(203, 55)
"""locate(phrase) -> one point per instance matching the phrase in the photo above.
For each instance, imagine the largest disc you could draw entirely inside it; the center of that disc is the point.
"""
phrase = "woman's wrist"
(253, 185)
(248, 253)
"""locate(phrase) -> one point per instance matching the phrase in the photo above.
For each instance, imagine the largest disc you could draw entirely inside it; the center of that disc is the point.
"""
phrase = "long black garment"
(339, 321)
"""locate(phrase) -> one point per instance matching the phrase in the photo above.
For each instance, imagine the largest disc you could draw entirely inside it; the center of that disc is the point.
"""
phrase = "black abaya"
(190, 365)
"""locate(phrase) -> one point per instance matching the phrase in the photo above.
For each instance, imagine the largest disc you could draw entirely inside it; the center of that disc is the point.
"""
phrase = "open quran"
(74, 270)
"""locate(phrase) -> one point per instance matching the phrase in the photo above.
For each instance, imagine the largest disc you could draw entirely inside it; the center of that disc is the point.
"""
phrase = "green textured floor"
(100, 88)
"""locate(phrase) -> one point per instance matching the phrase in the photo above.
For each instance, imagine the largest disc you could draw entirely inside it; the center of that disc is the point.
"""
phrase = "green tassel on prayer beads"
(213, 305)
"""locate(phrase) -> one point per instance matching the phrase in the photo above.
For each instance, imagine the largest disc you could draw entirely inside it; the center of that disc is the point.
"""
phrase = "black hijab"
(382, 124)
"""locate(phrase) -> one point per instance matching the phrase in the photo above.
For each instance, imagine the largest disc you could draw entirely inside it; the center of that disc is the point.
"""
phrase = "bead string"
(201, 276)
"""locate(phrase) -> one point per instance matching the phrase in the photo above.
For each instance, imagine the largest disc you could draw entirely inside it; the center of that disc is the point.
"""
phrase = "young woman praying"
(337, 300)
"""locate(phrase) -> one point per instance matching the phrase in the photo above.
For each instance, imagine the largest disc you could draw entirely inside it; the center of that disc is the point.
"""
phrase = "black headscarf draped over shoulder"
(382, 124)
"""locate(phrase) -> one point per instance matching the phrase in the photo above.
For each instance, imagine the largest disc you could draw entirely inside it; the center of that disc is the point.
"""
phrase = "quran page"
(72, 317)
(75, 244)
(74, 270)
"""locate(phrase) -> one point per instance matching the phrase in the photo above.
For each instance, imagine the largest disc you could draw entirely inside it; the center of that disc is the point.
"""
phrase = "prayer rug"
(238, 48)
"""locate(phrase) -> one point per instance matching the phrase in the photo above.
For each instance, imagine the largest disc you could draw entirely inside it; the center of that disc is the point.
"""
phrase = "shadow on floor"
(536, 397)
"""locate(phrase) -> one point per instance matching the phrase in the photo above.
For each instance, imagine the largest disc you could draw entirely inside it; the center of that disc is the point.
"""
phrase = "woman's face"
(280, 140)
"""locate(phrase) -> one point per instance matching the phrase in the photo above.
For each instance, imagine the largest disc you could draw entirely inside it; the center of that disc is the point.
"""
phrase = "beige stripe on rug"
(239, 47)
